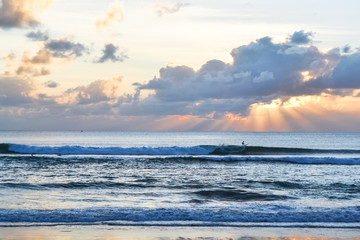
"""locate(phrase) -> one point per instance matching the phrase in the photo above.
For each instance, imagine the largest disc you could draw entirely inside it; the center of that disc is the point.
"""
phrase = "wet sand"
(102, 232)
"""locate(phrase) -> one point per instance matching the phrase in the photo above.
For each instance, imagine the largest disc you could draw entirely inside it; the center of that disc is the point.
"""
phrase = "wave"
(79, 150)
(72, 185)
(296, 159)
(8, 148)
(238, 195)
(58, 159)
(256, 213)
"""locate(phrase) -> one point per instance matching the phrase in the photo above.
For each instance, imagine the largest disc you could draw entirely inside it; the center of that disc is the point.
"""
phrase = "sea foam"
(257, 213)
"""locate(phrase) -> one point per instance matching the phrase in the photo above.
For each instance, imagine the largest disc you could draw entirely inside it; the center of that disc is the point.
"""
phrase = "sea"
(274, 179)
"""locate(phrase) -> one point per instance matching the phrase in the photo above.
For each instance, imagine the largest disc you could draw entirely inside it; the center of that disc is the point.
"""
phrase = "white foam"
(251, 213)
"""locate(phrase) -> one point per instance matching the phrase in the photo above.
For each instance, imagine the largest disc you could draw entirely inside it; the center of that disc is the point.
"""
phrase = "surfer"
(243, 143)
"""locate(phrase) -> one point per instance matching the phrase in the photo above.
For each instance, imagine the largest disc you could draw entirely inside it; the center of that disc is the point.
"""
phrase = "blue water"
(176, 178)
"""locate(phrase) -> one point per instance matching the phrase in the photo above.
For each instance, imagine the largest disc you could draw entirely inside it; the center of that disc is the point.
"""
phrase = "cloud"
(16, 91)
(51, 84)
(162, 8)
(115, 15)
(301, 37)
(109, 54)
(264, 78)
(29, 65)
(43, 56)
(60, 48)
(9, 56)
(345, 75)
(346, 49)
(34, 65)
(30, 70)
(261, 72)
(97, 92)
(64, 48)
(38, 36)
(21, 13)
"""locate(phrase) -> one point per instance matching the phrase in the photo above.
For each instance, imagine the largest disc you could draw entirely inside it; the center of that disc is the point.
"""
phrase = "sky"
(200, 65)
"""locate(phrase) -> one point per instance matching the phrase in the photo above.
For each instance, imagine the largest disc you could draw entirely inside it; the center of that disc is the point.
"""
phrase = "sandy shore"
(101, 232)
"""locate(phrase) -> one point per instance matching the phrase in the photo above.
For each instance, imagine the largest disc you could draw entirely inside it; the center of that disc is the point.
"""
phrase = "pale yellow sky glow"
(296, 114)
(175, 65)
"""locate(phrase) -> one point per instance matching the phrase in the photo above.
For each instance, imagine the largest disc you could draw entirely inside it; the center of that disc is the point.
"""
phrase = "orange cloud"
(115, 15)
(99, 91)
(22, 13)
(29, 65)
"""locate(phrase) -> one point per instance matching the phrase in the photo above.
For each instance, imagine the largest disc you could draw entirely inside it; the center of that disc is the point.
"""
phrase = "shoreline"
(187, 224)
(100, 232)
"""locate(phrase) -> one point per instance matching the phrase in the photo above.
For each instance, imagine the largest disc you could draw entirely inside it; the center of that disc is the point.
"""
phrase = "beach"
(101, 232)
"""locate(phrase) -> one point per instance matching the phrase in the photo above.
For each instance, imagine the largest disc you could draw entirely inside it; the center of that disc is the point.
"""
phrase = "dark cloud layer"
(110, 54)
(346, 74)
(261, 71)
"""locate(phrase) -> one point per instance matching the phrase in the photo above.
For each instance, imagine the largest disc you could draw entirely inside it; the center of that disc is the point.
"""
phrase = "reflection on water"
(101, 232)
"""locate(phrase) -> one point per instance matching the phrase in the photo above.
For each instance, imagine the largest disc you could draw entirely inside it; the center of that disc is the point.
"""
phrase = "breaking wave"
(268, 213)
(79, 150)
(229, 153)
(8, 148)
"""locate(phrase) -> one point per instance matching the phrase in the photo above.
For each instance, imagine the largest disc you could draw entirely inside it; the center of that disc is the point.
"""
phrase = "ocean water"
(180, 178)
